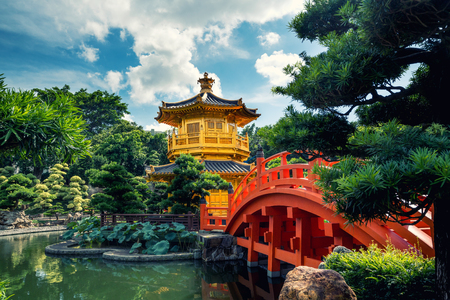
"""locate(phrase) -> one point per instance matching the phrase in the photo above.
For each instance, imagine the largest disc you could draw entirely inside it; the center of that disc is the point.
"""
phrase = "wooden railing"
(191, 221)
(232, 140)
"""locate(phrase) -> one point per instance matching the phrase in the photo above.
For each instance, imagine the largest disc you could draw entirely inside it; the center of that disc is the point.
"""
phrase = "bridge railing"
(289, 176)
(210, 222)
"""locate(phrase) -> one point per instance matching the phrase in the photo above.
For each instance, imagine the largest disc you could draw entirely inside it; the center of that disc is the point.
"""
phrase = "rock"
(16, 219)
(341, 249)
(5, 227)
(314, 284)
(77, 216)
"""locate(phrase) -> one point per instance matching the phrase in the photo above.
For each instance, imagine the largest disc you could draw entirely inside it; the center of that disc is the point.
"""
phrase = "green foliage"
(157, 239)
(191, 183)
(120, 190)
(126, 144)
(369, 45)
(35, 129)
(385, 274)
(16, 190)
(7, 171)
(99, 109)
(257, 139)
(308, 132)
(3, 289)
(158, 199)
(277, 162)
(52, 188)
(402, 164)
(55, 210)
(77, 194)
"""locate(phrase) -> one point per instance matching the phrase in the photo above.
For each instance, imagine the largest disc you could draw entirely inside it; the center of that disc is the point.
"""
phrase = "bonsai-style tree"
(76, 194)
(55, 210)
(120, 194)
(191, 183)
(16, 191)
(44, 198)
(56, 181)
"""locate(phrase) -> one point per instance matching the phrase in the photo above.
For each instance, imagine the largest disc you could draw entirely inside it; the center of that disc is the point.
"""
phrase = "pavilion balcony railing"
(208, 139)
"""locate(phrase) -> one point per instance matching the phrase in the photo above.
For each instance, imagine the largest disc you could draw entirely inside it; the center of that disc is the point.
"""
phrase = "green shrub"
(386, 273)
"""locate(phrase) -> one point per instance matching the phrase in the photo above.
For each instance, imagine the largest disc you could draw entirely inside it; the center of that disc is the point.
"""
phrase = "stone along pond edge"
(115, 253)
(217, 247)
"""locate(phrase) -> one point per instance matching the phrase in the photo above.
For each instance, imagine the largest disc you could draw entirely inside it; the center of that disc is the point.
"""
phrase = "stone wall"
(218, 246)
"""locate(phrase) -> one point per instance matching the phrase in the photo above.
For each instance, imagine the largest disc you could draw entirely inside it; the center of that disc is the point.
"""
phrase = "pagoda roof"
(205, 101)
(213, 166)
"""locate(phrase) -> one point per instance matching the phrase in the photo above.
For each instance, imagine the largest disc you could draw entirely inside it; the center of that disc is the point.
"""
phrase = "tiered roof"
(221, 167)
(170, 113)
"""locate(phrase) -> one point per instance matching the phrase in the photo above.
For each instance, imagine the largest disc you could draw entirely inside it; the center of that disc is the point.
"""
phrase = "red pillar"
(252, 233)
(203, 214)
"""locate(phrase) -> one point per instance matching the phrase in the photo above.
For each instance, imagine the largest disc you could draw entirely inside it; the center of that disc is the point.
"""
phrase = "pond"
(34, 275)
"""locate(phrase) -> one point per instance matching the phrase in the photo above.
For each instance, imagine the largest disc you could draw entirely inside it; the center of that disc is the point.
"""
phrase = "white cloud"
(271, 66)
(165, 33)
(269, 39)
(123, 35)
(90, 54)
(158, 127)
(113, 79)
(128, 117)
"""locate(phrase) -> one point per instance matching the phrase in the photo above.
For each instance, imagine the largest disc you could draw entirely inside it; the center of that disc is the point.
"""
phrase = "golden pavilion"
(205, 126)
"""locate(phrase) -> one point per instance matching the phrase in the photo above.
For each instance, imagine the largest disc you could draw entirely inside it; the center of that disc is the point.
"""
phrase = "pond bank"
(115, 253)
(7, 232)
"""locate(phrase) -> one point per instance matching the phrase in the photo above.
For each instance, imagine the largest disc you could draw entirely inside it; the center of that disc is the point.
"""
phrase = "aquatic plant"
(145, 237)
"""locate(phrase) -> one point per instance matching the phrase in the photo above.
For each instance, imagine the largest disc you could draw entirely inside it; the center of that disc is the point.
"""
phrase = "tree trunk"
(37, 171)
(441, 241)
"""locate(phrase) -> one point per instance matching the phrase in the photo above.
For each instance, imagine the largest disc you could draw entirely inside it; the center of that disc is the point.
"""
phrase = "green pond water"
(34, 275)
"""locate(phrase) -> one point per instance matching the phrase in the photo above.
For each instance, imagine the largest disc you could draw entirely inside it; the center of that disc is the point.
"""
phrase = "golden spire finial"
(205, 83)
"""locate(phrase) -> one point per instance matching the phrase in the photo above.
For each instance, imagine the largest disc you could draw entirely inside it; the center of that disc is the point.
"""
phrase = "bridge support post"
(273, 238)
(252, 233)
(203, 213)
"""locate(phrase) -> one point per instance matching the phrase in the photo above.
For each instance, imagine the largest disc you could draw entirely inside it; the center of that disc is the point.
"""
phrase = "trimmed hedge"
(386, 273)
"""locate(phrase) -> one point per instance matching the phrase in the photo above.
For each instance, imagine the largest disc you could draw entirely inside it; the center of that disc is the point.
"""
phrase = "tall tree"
(36, 129)
(370, 44)
(99, 109)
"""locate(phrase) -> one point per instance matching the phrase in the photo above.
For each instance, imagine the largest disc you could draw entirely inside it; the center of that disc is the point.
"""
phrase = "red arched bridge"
(280, 213)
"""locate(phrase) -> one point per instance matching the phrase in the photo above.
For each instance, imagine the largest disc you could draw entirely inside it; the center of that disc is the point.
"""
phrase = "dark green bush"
(386, 273)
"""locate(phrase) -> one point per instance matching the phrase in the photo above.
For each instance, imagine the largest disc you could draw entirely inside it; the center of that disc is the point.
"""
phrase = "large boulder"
(14, 219)
(315, 284)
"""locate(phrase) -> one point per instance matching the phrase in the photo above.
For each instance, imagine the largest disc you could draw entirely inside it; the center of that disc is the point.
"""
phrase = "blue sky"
(153, 51)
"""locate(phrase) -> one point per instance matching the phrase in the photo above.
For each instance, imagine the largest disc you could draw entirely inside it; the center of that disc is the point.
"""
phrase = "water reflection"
(239, 283)
(33, 275)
